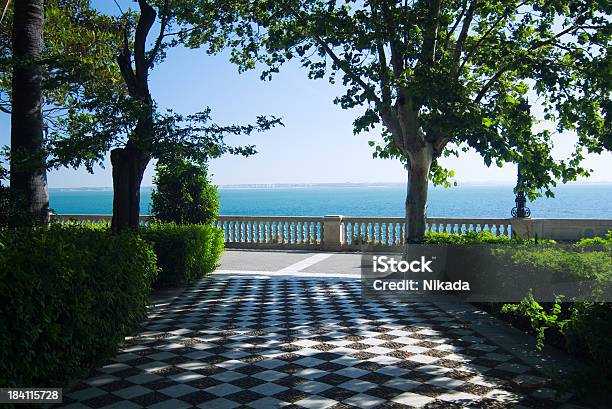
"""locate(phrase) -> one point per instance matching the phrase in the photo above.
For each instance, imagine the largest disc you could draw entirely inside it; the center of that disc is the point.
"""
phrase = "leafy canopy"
(105, 114)
(462, 68)
(87, 105)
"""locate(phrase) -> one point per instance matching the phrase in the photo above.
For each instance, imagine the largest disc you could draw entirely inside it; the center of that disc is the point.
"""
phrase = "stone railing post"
(523, 228)
(333, 237)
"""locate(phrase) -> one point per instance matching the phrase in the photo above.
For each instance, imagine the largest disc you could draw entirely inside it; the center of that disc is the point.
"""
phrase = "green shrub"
(471, 237)
(183, 194)
(582, 328)
(185, 253)
(530, 314)
(604, 242)
(69, 294)
(573, 262)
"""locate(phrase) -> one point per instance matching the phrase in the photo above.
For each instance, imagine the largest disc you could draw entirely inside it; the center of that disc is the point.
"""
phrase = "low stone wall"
(561, 229)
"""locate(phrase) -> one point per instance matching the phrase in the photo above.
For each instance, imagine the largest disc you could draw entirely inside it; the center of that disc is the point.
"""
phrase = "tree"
(183, 193)
(122, 116)
(445, 76)
(69, 68)
(28, 177)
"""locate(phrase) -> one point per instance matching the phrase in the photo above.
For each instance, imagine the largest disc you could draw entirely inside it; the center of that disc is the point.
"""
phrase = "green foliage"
(12, 207)
(539, 319)
(185, 253)
(603, 242)
(79, 56)
(452, 74)
(183, 194)
(589, 333)
(69, 294)
(106, 111)
(582, 328)
(472, 237)
(576, 261)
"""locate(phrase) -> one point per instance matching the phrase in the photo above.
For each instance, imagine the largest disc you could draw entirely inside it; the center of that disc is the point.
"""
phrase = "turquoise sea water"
(571, 201)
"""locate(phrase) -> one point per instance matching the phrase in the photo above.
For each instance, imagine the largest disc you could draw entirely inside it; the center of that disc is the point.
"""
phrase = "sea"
(589, 200)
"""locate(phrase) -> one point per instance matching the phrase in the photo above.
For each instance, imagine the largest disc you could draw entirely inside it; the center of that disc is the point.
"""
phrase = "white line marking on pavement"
(270, 274)
(300, 265)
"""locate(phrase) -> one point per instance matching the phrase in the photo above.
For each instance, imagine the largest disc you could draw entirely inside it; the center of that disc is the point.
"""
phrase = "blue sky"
(316, 145)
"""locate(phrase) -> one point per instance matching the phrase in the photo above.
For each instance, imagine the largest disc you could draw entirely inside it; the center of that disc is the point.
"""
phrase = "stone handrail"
(91, 218)
(352, 233)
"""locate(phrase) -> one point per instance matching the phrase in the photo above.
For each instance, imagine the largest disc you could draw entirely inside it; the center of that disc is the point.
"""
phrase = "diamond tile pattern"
(246, 341)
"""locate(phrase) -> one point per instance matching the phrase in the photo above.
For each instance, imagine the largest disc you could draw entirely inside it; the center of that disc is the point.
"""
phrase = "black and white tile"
(295, 342)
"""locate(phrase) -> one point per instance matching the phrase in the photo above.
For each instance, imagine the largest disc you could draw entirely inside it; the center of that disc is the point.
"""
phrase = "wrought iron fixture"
(520, 210)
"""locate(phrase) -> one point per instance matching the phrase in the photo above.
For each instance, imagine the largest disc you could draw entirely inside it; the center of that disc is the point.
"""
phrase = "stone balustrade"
(338, 233)
(272, 231)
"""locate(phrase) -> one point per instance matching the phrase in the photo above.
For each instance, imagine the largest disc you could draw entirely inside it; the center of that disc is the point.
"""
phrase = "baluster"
(300, 236)
(289, 233)
(282, 232)
(312, 232)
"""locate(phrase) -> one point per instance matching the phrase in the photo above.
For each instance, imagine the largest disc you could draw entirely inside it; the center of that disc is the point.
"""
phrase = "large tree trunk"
(129, 165)
(416, 198)
(28, 162)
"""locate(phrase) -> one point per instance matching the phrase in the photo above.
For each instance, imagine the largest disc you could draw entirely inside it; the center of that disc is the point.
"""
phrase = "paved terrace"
(290, 329)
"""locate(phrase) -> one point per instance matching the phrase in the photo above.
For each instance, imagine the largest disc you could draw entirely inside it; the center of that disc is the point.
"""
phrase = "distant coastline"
(328, 185)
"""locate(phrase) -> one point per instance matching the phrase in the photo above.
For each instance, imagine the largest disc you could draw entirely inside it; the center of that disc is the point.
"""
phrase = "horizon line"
(312, 184)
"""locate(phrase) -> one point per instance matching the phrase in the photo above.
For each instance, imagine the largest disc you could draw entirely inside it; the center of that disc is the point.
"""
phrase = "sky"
(316, 145)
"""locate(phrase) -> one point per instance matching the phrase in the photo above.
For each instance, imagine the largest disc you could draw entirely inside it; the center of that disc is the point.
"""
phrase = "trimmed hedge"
(185, 253)
(471, 237)
(69, 294)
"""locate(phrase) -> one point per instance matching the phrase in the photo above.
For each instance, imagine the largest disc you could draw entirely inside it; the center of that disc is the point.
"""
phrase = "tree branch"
(489, 31)
(463, 35)
(430, 34)
(6, 6)
(160, 37)
(370, 93)
(124, 59)
(452, 30)
(145, 22)
(397, 61)
(534, 47)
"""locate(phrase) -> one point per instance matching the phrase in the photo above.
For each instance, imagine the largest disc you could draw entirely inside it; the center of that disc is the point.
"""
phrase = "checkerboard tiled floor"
(299, 342)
